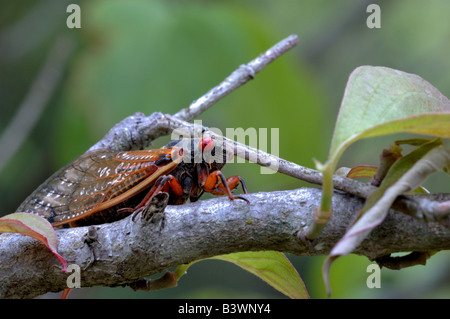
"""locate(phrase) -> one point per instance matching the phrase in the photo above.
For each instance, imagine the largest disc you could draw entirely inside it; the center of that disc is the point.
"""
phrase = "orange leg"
(216, 184)
(163, 184)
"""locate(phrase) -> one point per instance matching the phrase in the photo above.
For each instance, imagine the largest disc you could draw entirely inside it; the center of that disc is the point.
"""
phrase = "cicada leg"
(162, 184)
(154, 212)
(217, 184)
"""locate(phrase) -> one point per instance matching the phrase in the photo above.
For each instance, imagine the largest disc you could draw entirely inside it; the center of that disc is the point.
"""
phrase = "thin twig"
(236, 79)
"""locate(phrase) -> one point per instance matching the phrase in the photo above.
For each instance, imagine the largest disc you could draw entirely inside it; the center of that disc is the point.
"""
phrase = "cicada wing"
(91, 181)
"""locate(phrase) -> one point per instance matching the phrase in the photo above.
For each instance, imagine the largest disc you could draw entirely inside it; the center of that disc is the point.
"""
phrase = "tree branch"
(239, 77)
(125, 251)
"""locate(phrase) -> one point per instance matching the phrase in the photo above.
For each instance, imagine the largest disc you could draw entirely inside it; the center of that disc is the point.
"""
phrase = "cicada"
(105, 185)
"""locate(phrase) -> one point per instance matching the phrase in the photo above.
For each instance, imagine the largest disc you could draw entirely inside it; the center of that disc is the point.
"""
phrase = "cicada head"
(215, 152)
(210, 150)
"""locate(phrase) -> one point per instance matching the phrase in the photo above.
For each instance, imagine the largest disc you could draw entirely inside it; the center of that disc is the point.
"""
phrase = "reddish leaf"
(33, 226)
(65, 293)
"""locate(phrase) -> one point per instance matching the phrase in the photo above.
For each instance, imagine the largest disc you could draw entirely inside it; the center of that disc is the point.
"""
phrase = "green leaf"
(405, 175)
(273, 267)
(379, 101)
(33, 226)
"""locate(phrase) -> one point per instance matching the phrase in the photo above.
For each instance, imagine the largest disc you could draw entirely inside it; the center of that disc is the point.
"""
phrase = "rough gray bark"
(125, 251)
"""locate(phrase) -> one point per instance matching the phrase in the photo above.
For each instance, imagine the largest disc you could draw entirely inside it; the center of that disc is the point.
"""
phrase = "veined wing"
(96, 181)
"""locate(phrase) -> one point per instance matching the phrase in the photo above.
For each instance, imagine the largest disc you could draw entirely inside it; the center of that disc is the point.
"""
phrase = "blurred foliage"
(146, 56)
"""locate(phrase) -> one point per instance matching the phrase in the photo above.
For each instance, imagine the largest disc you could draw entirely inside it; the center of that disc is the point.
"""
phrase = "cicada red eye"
(206, 144)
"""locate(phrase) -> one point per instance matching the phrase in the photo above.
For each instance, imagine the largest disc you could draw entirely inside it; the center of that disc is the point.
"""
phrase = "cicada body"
(104, 186)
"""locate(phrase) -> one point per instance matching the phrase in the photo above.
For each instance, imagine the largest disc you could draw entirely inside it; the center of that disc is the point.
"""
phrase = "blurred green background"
(145, 56)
